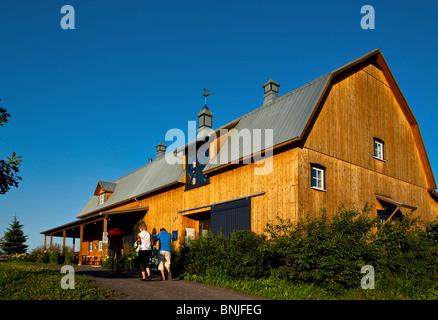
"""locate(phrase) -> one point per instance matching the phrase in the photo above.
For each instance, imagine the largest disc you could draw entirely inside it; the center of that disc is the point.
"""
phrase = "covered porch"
(89, 230)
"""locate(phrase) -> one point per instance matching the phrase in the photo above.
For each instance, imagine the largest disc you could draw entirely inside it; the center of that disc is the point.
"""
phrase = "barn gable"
(292, 117)
(368, 99)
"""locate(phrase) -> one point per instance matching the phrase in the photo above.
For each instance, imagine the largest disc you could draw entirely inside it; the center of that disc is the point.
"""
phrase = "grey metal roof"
(206, 111)
(148, 178)
(107, 186)
(286, 116)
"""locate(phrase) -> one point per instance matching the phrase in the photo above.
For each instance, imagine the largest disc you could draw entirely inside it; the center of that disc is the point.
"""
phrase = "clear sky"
(91, 103)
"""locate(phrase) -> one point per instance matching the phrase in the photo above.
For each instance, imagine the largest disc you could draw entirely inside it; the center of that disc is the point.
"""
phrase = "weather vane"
(206, 94)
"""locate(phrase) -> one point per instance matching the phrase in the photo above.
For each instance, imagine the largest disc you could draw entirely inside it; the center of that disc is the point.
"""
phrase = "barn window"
(378, 149)
(102, 198)
(318, 177)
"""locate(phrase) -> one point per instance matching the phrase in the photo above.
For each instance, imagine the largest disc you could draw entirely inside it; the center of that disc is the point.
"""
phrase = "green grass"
(268, 288)
(277, 289)
(26, 282)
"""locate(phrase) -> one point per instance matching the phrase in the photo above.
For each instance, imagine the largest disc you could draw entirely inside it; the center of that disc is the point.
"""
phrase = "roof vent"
(161, 149)
(271, 91)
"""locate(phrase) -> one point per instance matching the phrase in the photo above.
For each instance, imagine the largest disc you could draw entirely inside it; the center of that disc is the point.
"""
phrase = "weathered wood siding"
(359, 107)
(280, 199)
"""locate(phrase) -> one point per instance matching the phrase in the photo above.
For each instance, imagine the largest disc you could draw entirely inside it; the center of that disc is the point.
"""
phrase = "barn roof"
(147, 179)
(289, 116)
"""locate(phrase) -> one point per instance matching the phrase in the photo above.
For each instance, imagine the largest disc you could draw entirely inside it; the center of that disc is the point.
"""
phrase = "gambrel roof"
(290, 117)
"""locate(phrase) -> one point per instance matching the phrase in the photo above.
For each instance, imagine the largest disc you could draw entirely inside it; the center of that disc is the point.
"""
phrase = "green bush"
(244, 254)
(205, 255)
(39, 255)
(406, 248)
(55, 255)
(322, 252)
(247, 255)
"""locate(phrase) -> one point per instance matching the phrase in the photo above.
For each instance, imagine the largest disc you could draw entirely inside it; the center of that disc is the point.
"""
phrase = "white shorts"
(163, 259)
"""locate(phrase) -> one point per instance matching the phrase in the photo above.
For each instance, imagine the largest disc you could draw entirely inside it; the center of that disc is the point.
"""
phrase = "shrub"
(128, 261)
(68, 256)
(205, 255)
(54, 255)
(406, 248)
(323, 251)
(244, 254)
(40, 255)
(247, 255)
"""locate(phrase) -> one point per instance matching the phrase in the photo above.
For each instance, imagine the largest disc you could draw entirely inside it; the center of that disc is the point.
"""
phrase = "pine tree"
(13, 240)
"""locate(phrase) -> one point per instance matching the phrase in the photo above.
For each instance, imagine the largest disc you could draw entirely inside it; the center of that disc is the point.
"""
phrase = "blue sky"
(91, 104)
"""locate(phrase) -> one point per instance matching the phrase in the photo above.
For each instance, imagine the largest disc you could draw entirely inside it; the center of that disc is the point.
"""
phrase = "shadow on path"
(128, 283)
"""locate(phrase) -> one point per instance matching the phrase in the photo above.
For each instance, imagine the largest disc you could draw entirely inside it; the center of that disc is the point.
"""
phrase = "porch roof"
(71, 226)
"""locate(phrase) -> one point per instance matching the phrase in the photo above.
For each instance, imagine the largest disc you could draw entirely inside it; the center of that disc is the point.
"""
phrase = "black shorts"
(143, 257)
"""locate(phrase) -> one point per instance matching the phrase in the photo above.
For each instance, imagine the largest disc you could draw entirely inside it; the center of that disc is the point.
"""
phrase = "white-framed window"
(102, 198)
(317, 176)
(100, 245)
(90, 246)
(379, 149)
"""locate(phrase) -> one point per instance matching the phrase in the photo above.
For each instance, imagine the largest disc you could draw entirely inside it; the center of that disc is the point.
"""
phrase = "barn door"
(231, 216)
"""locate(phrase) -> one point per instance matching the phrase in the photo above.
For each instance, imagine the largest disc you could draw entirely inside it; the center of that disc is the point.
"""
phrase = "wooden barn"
(347, 137)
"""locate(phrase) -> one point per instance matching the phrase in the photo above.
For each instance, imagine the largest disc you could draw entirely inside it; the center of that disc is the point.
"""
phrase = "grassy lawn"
(386, 289)
(27, 282)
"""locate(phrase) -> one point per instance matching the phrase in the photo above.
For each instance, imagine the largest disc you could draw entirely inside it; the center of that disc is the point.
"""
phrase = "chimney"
(271, 91)
(161, 149)
(205, 119)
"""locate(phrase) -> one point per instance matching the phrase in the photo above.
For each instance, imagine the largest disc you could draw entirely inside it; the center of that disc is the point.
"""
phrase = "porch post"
(45, 241)
(104, 245)
(81, 239)
(51, 241)
(63, 241)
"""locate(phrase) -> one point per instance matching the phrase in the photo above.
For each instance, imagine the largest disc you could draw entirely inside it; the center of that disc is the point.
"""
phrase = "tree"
(10, 166)
(13, 240)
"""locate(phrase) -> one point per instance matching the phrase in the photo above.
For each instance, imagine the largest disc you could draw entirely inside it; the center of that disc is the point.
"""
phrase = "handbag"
(137, 249)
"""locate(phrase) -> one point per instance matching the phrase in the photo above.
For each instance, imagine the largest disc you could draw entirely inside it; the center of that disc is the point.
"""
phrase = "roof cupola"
(270, 91)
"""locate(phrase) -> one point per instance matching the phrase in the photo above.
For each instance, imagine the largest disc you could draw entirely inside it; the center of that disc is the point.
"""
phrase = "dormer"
(104, 190)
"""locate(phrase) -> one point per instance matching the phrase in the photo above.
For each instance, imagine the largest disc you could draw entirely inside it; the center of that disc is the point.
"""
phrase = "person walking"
(145, 242)
(164, 240)
(115, 246)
